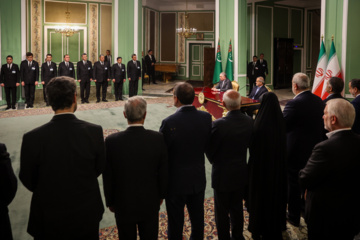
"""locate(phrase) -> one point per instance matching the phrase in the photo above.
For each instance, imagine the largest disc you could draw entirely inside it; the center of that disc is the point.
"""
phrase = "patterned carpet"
(292, 233)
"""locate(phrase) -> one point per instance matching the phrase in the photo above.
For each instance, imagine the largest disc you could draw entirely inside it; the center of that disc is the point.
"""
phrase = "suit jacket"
(48, 72)
(251, 68)
(29, 75)
(101, 72)
(304, 127)
(84, 72)
(263, 68)
(60, 162)
(118, 74)
(133, 72)
(331, 179)
(356, 104)
(64, 71)
(333, 96)
(109, 60)
(256, 95)
(224, 85)
(186, 135)
(229, 142)
(10, 77)
(135, 181)
(8, 187)
(149, 68)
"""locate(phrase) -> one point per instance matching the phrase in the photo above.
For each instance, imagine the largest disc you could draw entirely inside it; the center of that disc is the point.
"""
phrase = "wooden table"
(167, 69)
(212, 102)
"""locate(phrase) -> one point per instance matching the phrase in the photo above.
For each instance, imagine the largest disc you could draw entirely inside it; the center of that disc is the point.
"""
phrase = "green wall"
(10, 13)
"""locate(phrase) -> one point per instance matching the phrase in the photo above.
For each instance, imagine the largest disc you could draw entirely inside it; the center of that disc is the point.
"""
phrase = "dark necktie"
(29, 64)
(9, 66)
(67, 64)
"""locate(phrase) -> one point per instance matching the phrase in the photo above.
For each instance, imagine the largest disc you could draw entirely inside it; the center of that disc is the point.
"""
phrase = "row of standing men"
(101, 73)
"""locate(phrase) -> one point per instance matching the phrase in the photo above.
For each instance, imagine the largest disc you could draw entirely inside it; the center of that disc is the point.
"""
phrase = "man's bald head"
(232, 100)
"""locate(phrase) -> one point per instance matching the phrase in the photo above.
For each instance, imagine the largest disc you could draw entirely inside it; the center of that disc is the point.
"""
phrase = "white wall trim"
(188, 52)
(344, 37)
(23, 29)
(116, 28)
(46, 50)
(136, 26)
(0, 60)
(217, 26)
(322, 19)
(236, 39)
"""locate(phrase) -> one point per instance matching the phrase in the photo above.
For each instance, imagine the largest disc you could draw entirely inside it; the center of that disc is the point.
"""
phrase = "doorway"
(196, 60)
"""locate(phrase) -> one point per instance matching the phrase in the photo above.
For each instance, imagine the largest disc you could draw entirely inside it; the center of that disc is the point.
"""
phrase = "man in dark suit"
(48, 71)
(263, 67)
(223, 85)
(256, 93)
(29, 73)
(66, 68)
(186, 134)
(334, 87)
(304, 129)
(84, 77)
(101, 75)
(252, 72)
(119, 77)
(150, 66)
(8, 187)
(229, 142)
(354, 89)
(135, 182)
(59, 163)
(10, 80)
(331, 177)
(108, 57)
(134, 75)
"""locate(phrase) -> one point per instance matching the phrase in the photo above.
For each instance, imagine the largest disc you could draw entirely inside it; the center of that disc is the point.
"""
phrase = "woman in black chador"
(267, 172)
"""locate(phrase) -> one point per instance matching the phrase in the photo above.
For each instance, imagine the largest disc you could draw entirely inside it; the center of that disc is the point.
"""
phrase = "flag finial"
(332, 38)
(322, 37)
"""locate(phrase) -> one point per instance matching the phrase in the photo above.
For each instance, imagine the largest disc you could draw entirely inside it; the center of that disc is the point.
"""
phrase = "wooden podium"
(167, 69)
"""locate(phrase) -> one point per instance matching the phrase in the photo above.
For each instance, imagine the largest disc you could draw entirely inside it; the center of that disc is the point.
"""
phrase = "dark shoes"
(98, 101)
(87, 101)
(154, 83)
(82, 102)
(8, 108)
(104, 100)
(13, 107)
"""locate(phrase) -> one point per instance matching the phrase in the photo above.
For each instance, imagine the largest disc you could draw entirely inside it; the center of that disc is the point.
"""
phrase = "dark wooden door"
(209, 64)
(283, 62)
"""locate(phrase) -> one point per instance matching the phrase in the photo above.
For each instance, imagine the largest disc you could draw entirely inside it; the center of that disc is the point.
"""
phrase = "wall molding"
(116, 29)
(217, 25)
(187, 52)
(235, 49)
(136, 26)
(344, 38)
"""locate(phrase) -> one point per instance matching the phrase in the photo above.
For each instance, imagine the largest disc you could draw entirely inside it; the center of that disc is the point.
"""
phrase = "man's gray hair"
(343, 110)
(135, 108)
(232, 99)
(101, 55)
(301, 80)
(261, 79)
(223, 74)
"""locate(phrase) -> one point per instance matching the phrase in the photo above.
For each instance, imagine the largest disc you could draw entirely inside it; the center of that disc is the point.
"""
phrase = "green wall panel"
(226, 27)
(333, 26)
(249, 43)
(281, 16)
(297, 26)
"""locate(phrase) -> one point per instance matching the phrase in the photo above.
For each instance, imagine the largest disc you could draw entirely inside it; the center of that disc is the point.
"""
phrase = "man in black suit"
(66, 68)
(354, 89)
(101, 75)
(8, 187)
(29, 73)
(252, 72)
(256, 93)
(108, 57)
(84, 77)
(135, 182)
(334, 87)
(48, 71)
(186, 134)
(304, 129)
(134, 75)
(223, 85)
(59, 163)
(263, 67)
(229, 142)
(10, 80)
(150, 65)
(119, 77)
(331, 177)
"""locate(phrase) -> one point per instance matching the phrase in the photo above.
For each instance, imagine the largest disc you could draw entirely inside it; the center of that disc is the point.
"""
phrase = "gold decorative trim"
(201, 98)
(93, 32)
(202, 108)
(36, 38)
(181, 39)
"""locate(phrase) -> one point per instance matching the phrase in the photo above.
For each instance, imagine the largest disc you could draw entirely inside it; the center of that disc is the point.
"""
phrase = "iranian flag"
(320, 71)
(332, 70)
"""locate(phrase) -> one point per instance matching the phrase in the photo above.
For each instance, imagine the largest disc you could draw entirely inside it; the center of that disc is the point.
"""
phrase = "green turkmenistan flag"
(229, 64)
(218, 66)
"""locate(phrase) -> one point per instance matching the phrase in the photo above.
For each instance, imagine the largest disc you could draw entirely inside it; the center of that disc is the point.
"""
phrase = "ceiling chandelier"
(67, 29)
(186, 31)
